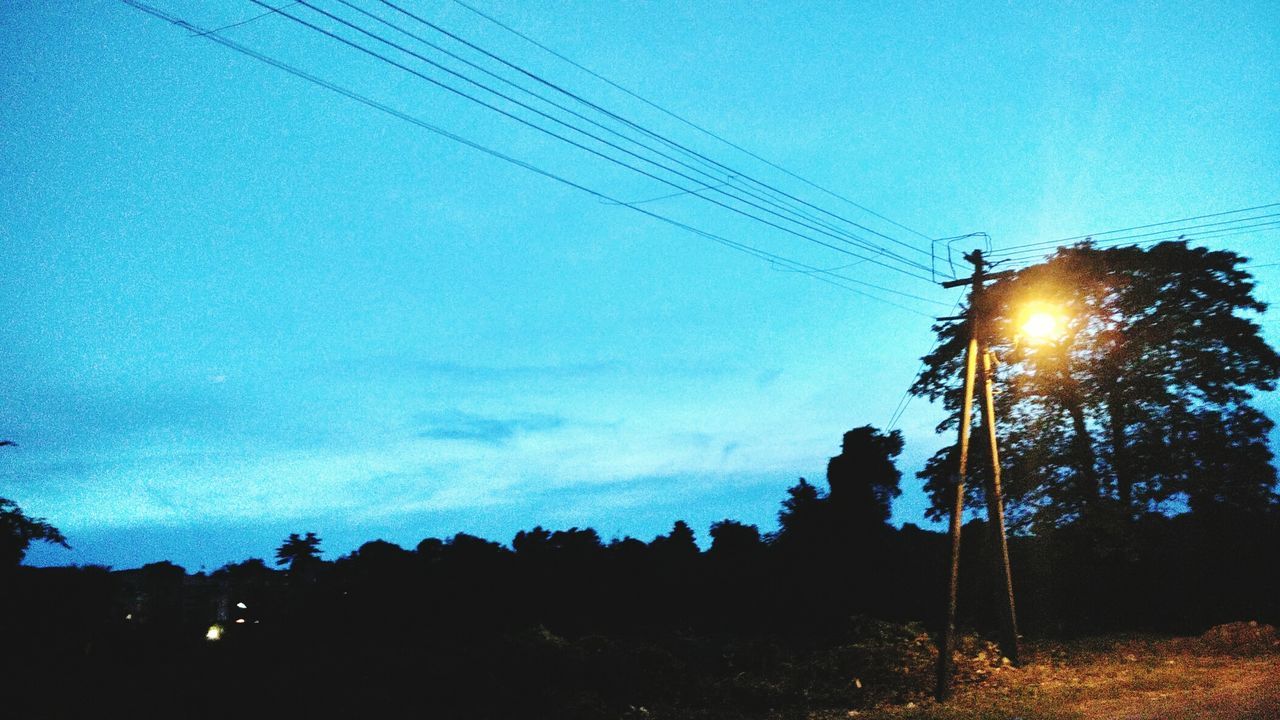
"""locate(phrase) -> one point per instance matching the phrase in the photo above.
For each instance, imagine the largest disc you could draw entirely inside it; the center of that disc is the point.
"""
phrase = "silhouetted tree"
(252, 584)
(251, 568)
(532, 542)
(864, 478)
(18, 531)
(803, 521)
(730, 538)
(299, 552)
(463, 547)
(1145, 400)
(680, 542)
(577, 542)
(430, 549)
(381, 558)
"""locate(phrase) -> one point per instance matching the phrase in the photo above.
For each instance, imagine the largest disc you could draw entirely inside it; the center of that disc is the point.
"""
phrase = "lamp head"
(1042, 324)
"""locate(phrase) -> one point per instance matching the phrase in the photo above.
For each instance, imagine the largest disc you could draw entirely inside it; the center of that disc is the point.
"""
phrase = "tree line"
(561, 623)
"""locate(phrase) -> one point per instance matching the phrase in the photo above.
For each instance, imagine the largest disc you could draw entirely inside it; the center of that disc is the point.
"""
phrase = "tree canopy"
(863, 477)
(1142, 402)
(18, 531)
(298, 551)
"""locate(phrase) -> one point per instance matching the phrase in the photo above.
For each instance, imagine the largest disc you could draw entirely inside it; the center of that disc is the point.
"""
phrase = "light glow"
(1042, 324)
(214, 633)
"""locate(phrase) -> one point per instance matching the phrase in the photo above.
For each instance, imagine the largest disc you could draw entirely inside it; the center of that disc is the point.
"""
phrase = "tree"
(530, 543)
(577, 544)
(299, 552)
(805, 522)
(430, 550)
(864, 478)
(803, 502)
(380, 557)
(732, 539)
(680, 542)
(18, 531)
(1143, 404)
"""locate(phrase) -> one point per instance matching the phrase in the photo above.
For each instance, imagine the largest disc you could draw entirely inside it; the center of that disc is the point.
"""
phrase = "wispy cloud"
(399, 366)
(404, 439)
(462, 426)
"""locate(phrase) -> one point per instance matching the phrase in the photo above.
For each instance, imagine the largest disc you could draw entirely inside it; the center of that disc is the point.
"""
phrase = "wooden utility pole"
(947, 646)
(995, 517)
(995, 504)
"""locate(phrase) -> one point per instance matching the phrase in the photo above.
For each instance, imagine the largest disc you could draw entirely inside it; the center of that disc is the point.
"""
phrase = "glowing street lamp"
(1042, 324)
(1040, 327)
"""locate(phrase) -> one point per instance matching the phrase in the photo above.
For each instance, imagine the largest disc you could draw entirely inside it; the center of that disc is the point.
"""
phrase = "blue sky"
(239, 306)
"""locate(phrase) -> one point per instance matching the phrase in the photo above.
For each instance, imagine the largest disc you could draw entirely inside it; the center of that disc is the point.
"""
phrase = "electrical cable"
(716, 166)
(685, 121)
(1061, 241)
(844, 235)
(1116, 242)
(817, 273)
(583, 100)
(1207, 235)
(660, 197)
(1183, 230)
(259, 16)
(450, 88)
(905, 400)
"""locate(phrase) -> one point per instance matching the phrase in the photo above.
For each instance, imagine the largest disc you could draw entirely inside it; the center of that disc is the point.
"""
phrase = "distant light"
(214, 633)
(240, 621)
(241, 605)
(129, 616)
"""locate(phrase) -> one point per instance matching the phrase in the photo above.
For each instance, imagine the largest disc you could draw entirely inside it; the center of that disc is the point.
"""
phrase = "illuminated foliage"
(1135, 393)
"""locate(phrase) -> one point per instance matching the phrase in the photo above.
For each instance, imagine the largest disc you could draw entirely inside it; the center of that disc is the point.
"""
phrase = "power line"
(259, 16)
(818, 273)
(1207, 235)
(844, 236)
(1086, 236)
(1183, 234)
(672, 143)
(523, 121)
(690, 153)
(905, 400)
(685, 121)
(628, 138)
(668, 196)
(693, 154)
(1183, 230)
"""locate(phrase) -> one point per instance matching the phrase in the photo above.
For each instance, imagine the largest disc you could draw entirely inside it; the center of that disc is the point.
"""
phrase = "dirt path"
(1241, 689)
(1124, 679)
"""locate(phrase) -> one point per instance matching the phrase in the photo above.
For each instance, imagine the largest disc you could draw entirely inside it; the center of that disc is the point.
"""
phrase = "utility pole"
(995, 517)
(947, 646)
(995, 507)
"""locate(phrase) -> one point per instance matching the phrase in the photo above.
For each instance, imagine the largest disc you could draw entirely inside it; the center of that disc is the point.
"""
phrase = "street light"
(1042, 323)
